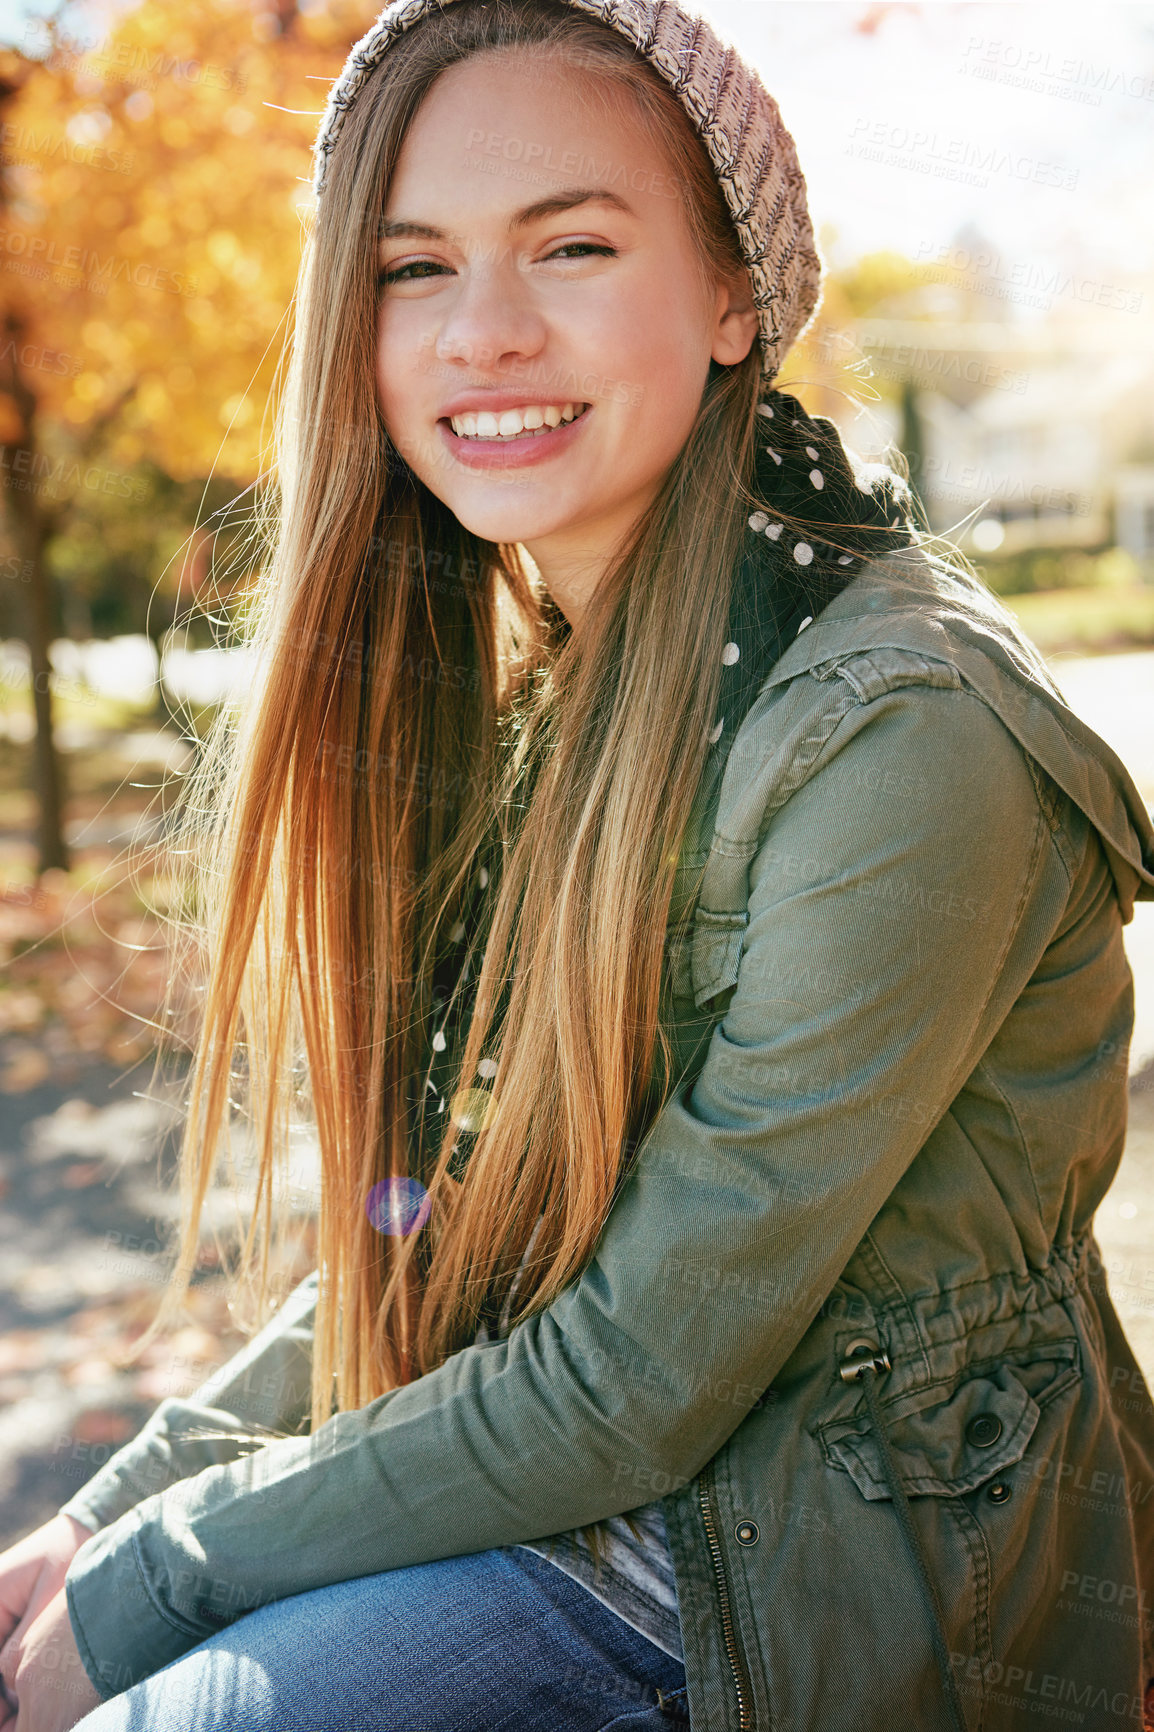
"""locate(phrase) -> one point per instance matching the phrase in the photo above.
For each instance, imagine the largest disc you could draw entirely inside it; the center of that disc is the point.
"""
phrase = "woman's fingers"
(10, 1651)
(53, 1688)
(32, 1576)
(33, 1570)
(9, 1703)
(17, 1579)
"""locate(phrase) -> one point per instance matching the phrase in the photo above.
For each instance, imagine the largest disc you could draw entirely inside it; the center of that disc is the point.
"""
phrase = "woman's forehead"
(519, 150)
(507, 91)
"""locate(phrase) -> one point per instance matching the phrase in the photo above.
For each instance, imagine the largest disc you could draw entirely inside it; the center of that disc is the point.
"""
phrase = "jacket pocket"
(715, 952)
(947, 1442)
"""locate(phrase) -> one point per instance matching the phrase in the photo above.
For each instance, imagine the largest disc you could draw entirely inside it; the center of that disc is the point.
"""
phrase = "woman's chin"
(501, 524)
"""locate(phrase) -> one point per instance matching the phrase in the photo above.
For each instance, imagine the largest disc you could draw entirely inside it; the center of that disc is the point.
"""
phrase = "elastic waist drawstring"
(876, 1363)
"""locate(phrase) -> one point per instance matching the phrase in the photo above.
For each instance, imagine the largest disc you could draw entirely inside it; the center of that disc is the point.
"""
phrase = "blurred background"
(980, 176)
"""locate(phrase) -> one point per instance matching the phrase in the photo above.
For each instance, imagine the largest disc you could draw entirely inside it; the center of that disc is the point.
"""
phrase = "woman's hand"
(51, 1687)
(40, 1668)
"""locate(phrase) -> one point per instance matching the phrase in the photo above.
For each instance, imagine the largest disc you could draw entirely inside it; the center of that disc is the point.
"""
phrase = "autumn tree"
(155, 183)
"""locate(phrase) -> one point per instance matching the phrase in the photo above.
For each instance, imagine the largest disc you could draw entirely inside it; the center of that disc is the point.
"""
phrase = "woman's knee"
(439, 1646)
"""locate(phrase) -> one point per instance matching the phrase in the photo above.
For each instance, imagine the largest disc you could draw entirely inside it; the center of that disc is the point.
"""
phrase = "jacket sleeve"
(897, 911)
(263, 1388)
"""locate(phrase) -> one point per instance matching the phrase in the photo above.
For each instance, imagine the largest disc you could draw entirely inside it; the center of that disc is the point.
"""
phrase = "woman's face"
(502, 288)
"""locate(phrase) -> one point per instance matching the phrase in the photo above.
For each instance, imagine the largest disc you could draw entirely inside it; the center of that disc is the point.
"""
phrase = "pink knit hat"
(753, 155)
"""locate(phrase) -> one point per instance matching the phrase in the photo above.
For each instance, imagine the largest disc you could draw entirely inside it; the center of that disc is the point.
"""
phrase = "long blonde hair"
(410, 680)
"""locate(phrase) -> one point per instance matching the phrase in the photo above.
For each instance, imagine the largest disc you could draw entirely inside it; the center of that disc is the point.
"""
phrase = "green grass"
(1090, 620)
(76, 704)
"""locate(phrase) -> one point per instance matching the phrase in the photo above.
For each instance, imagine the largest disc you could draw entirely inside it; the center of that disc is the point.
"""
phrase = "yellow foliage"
(89, 388)
(9, 419)
(152, 233)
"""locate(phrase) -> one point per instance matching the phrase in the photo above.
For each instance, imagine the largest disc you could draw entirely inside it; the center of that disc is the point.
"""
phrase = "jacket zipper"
(729, 1634)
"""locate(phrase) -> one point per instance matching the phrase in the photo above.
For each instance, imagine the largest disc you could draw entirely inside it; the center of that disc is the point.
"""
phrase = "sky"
(1024, 128)
(1032, 124)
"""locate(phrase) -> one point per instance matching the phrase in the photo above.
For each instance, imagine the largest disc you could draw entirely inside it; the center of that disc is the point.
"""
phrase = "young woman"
(692, 921)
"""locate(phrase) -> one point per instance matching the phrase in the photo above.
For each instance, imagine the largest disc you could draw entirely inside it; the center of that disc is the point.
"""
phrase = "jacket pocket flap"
(943, 1449)
(715, 952)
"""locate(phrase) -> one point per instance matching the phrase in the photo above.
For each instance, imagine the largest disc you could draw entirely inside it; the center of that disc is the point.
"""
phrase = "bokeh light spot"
(398, 1206)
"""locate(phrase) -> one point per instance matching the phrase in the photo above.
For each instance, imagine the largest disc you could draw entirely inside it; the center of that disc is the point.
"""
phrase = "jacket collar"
(820, 518)
(912, 601)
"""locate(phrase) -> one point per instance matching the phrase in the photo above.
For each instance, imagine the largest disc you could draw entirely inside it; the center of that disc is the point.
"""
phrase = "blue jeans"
(499, 1641)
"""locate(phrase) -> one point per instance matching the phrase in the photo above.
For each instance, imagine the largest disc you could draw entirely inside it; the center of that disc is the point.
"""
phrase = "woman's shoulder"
(911, 599)
(913, 623)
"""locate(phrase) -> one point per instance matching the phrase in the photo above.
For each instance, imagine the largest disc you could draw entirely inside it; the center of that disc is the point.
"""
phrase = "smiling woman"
(692, 921)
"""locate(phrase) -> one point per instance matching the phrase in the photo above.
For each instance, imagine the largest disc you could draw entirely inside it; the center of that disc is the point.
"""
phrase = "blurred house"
(1040, 435)
(1134, 510)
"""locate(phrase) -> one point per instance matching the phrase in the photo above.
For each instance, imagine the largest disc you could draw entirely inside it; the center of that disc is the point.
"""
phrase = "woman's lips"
(511, 453)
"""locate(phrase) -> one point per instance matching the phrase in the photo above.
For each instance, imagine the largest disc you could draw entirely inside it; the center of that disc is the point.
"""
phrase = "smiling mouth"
(468, 426)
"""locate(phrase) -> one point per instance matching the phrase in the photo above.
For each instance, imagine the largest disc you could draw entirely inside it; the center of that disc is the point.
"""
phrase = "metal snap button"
(998, 1492)
(862, 1355)
(747, 1533)
(983, 1430)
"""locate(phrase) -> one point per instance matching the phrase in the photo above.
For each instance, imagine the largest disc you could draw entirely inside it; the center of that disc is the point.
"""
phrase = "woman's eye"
(585, 247)
(401, 273)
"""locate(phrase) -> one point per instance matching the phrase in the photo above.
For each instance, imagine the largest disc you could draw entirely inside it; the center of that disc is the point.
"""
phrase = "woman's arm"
(880, 958)
(263, 1387)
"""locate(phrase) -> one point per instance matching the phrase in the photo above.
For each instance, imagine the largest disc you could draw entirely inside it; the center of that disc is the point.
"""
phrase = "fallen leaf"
(82, 1174)
(24, 1069)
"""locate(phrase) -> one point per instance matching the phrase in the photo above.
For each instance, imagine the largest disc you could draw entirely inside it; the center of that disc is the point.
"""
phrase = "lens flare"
(398, 1206)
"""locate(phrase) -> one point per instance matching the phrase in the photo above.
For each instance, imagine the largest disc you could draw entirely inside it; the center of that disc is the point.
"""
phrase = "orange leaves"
(89, 974)
(153, 233)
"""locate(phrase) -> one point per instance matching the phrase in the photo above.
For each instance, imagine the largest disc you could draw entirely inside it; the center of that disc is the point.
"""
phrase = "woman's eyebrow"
(562, 201)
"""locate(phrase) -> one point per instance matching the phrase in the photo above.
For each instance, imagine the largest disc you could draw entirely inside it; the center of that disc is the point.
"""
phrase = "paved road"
(1115, 694)
(79, 1176)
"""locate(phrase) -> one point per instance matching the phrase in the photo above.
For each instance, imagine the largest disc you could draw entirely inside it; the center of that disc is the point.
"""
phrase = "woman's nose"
(491, 314)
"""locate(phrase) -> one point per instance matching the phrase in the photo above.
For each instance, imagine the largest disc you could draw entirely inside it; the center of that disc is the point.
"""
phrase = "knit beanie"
(753, 156)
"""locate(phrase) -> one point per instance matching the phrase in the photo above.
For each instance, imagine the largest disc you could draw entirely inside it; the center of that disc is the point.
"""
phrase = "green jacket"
(903, 1009)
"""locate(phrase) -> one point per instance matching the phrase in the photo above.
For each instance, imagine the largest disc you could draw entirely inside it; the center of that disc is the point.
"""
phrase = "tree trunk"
(28, 534)
(29, 526)
(913, 445)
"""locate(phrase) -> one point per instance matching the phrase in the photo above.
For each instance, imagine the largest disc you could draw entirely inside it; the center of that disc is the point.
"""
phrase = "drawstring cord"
(854, 1372)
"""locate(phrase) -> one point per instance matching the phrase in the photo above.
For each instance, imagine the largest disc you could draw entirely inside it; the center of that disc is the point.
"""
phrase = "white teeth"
(534, 419)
